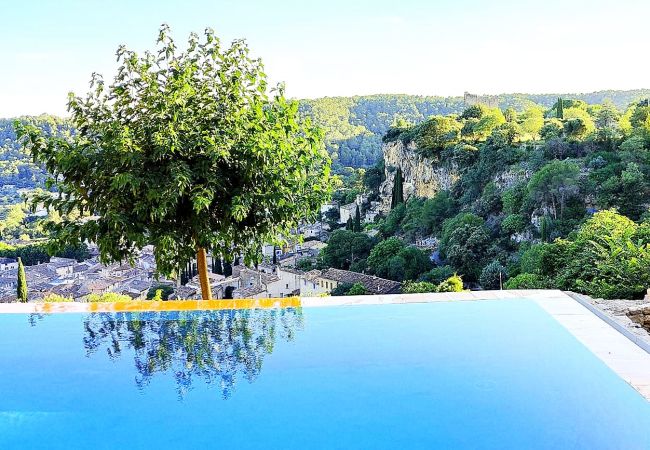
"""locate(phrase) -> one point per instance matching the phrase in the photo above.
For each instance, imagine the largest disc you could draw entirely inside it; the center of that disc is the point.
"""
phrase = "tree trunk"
(202, 265)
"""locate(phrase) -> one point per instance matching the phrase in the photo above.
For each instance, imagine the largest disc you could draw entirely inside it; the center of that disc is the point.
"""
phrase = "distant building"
(8, 264)
(328, 206)
(310, 248)
(329, 279)
(472, 99)
(347, 212)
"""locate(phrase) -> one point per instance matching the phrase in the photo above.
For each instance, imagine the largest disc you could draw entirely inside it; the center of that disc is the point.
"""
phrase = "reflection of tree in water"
(215, 346)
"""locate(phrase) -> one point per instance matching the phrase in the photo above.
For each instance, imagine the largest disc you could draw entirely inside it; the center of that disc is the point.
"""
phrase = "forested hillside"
(354, 125)
(543, 198)
(17, 172)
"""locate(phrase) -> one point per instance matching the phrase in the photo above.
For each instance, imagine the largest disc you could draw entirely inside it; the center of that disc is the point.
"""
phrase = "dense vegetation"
(18, 174)
(547, 197)
(532, 178)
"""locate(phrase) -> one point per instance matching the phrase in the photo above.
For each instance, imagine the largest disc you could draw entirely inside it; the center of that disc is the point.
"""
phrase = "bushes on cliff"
(608, 256)
(436, 133)
(464, 244)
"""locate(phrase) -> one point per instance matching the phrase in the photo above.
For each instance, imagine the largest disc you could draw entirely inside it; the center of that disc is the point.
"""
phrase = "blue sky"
(336, 47)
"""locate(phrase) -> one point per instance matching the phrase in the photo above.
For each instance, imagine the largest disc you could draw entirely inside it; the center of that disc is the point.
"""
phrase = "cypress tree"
(349, 225)
(21, 291)
(275, 257)
(560, 109)
(227, 269)
(357, 221)
(218, 267)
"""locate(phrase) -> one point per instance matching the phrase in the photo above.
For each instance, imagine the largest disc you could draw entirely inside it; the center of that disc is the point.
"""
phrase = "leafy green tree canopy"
(184, 150)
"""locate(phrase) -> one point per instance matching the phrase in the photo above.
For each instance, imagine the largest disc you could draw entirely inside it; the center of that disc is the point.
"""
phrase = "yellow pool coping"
(148, 305)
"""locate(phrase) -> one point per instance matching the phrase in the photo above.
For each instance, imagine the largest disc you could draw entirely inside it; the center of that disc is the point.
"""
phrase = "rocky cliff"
(423, 177)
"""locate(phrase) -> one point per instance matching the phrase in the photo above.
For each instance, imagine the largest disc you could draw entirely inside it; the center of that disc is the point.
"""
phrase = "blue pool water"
(491, 374)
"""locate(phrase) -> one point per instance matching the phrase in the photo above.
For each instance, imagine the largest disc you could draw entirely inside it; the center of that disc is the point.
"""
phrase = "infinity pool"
(482, 374)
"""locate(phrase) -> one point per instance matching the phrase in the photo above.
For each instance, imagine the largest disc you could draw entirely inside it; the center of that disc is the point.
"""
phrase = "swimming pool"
(483, 374)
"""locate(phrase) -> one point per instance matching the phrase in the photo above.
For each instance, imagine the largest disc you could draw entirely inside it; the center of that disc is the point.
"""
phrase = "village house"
(347, 212)
(137, 289)
(329, 279)
(310, 248)
(8, 264)
(63, 267)
(186, 293)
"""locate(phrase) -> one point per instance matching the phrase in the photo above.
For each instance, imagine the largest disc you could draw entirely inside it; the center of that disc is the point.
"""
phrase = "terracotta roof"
(248, 292)
(374, 285)
(290, 270)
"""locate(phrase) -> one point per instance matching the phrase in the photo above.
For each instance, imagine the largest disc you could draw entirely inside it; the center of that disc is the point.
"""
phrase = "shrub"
(357, 289)
(514, 223)
(451, 284)
(55, 298)
(418, 287)
(341, 289)
(108, 297)
(527, 281)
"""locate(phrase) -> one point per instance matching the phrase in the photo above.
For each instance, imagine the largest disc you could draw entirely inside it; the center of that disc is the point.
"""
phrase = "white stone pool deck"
(625, 357)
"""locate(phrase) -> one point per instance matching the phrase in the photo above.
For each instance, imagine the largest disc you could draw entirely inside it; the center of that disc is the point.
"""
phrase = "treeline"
(17, 171)
(354, 126)
(39, 253)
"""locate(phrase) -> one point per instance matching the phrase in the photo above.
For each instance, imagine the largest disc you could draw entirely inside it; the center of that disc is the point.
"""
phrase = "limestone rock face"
(641, 315)
(423, 177)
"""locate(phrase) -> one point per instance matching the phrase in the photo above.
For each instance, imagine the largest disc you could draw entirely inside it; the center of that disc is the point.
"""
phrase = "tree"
(184, 150)
(218, 266)
(545, 225)
(554, 184)
(493, 276)
(608, 256)
(227, 269)
(21, 290)
(357, 221)
(437, 133)
(559, 109)
(627, 191)
(510, 115)
(464, 243)
(398, 190)
(395, 260)
(381, 254)
(344, 248)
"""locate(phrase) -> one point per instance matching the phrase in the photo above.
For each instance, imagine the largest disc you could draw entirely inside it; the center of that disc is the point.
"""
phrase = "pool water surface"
(497, 374)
